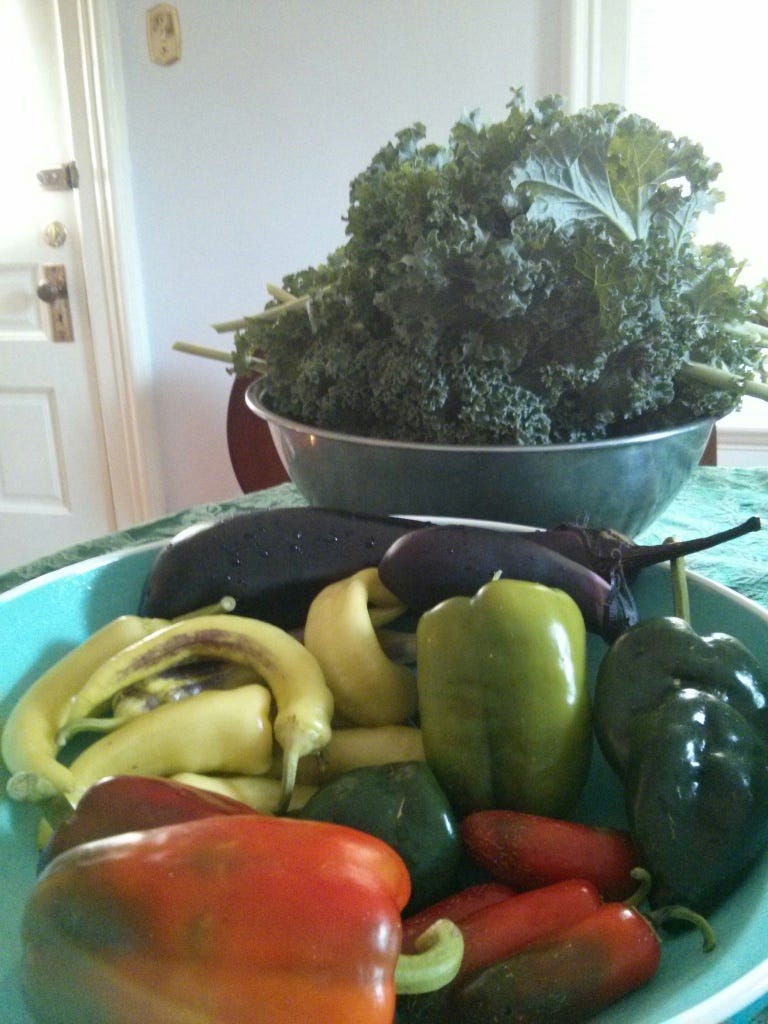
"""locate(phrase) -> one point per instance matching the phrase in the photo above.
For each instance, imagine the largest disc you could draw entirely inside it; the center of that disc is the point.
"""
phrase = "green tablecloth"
(714, 498)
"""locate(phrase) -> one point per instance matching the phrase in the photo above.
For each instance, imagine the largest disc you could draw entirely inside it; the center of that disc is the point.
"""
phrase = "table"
(714, 498)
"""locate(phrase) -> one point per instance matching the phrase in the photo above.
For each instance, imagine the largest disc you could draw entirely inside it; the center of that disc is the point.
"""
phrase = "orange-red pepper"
(223, 920)
(526, 851)
(567, 977)
(456, 907)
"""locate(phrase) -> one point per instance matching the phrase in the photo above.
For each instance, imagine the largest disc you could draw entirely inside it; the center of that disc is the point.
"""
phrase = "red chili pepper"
(223, 920)
(126, 803)
(499, 931)
(456, 908)
(526, 851)
(567, 978)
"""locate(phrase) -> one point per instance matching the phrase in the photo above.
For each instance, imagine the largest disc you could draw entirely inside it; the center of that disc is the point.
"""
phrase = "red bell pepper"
(456, 907)
(224, 920)
(567, 978)
(126, 803)
(526, 851)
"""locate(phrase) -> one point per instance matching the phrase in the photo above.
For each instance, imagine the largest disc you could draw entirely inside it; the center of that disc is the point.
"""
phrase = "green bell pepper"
(683, 720)
(403, 805)
(503, 698)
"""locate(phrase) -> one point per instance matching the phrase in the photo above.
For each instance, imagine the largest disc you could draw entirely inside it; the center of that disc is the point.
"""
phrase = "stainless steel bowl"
(623, 484)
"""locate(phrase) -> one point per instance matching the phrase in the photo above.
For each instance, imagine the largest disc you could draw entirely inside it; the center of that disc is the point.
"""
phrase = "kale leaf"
(535, 280)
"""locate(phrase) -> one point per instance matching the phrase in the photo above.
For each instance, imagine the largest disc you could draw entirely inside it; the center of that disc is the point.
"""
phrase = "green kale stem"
(750, 329)
(287, 304)
(716, 378)
(699, 372)
(203, 351)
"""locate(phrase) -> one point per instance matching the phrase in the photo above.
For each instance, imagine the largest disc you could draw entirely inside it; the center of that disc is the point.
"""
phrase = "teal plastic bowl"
(41, 620)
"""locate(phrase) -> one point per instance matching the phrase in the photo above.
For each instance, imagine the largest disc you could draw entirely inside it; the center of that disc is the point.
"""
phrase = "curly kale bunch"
(533, 281)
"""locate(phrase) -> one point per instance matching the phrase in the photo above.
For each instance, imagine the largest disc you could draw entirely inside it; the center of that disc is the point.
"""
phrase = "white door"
(54, 478)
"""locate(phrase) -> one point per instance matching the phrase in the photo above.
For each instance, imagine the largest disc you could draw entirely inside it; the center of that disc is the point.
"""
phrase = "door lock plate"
(52, 290)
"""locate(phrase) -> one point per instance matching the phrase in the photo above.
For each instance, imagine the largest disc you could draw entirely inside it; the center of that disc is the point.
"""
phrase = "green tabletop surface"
(714, 498)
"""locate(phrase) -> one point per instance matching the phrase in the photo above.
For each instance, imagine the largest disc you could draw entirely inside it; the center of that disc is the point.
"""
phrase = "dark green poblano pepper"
(683, 720)
(503, 698)
(403, 805)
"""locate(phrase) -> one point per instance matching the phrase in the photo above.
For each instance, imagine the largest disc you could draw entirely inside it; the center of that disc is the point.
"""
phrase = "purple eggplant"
(433, 563)
(272, 561)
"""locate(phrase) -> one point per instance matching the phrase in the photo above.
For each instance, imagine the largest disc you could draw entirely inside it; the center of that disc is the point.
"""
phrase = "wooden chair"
(709, 458)
(252, 453)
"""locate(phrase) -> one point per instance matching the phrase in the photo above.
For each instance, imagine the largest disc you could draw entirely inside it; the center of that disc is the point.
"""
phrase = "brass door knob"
(51, 292)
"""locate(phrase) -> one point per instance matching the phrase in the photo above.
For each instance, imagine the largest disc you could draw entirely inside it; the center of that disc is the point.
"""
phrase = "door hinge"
(60, 179)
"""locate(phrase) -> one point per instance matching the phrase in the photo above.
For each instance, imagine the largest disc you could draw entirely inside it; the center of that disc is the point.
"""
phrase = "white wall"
(242, 152)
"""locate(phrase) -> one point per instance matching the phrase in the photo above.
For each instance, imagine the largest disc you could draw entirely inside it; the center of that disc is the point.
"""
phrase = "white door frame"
(597, 41)
(120, 349)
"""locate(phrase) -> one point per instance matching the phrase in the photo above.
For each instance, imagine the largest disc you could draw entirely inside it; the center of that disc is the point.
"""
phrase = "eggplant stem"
(640, 556)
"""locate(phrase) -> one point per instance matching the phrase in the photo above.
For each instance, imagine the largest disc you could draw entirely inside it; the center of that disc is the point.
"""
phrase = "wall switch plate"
(163, 34)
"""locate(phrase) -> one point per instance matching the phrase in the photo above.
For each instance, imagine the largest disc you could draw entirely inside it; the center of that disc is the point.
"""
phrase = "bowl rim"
(255, 400)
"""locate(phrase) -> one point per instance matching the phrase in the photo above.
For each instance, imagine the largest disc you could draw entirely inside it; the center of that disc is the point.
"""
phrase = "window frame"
(598, 61)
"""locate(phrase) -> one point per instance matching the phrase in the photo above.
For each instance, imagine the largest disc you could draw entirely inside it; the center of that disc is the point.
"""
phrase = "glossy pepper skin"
(566, 978)
(504, 704)
(564, 974)
(125, 803)
(456, 907)
(526, 851)
(224, 920)
(683, 719)
(403, 805)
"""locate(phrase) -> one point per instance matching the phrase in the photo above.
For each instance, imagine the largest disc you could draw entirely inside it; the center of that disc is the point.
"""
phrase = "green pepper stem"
(295, 743)
(80, 725)
(682, 604)
(288, 780)
(439, 952)
(24, 785)
(679, 913)
(644, 882)
(225, 604)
